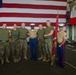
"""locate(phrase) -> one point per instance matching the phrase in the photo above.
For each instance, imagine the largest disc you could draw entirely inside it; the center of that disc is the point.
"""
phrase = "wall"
(75, 33)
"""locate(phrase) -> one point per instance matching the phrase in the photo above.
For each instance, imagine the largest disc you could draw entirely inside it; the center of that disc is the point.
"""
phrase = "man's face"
(4, 26)
(60, 28)
(40, 26)
(32, 27)
(23, 25)
(48, 23)
(14, 26)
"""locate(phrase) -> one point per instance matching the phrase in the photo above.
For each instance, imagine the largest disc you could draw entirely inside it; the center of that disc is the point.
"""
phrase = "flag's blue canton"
(0, 3)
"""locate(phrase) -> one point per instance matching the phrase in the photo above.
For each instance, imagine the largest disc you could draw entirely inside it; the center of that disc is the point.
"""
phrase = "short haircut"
(48, 21)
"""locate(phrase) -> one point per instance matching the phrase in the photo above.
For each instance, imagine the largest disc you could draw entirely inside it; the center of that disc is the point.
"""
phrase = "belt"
(15, 39)
(32, 38)
(0, 40)
(3, 40)
(41, 39)
(59, 43)
(47, 38)
(22, 38)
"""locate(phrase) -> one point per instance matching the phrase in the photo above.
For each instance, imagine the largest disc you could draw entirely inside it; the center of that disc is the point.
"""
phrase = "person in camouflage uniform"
(49, 30)
(23, 41)
(41, 42)
(4, 44)
(15, 44)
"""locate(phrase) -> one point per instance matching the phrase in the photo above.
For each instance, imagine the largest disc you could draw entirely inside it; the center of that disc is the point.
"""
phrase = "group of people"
(44, 37)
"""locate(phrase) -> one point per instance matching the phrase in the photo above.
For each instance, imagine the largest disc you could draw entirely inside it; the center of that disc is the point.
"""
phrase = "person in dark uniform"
(61, 39)
(33, 42)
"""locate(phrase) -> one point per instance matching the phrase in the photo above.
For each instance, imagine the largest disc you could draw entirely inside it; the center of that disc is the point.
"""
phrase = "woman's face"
(40, 26)
(14, 26)
(4, 26)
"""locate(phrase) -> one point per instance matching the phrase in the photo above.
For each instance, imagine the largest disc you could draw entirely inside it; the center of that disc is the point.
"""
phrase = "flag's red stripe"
(8, 5)
(30, 15)
(27, 23)
(73, 20)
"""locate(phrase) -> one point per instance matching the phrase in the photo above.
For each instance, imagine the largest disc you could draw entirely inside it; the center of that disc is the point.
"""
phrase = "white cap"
(61, 25)
(32, 24)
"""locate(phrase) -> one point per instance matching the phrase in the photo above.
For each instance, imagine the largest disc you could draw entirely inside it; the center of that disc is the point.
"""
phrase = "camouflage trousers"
(41, 45)
(15, 46)
(23, 47)
(48, 47)
(4, 49)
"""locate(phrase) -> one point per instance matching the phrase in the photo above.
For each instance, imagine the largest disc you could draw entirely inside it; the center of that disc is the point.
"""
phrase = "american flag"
(32, 11)
(73, 17)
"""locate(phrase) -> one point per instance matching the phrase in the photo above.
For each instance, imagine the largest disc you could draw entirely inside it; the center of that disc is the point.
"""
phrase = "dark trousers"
(33, 48)
(60, 54)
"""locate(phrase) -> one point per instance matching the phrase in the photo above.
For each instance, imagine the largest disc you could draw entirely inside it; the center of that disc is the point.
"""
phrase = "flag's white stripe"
(15, 19)
(36, 11)
(57, 3)
(73, 13)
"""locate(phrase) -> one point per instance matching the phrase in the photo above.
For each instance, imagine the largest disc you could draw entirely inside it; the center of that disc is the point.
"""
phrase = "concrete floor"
(31, 67)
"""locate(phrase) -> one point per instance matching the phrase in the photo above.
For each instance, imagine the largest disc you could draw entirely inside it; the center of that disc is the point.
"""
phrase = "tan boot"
(48, 60)
(25, 58)
(41, 57)
(44, 59)
(2, 61)
(14, 59)
(7, 60)
(19, 58)
(52, 63)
